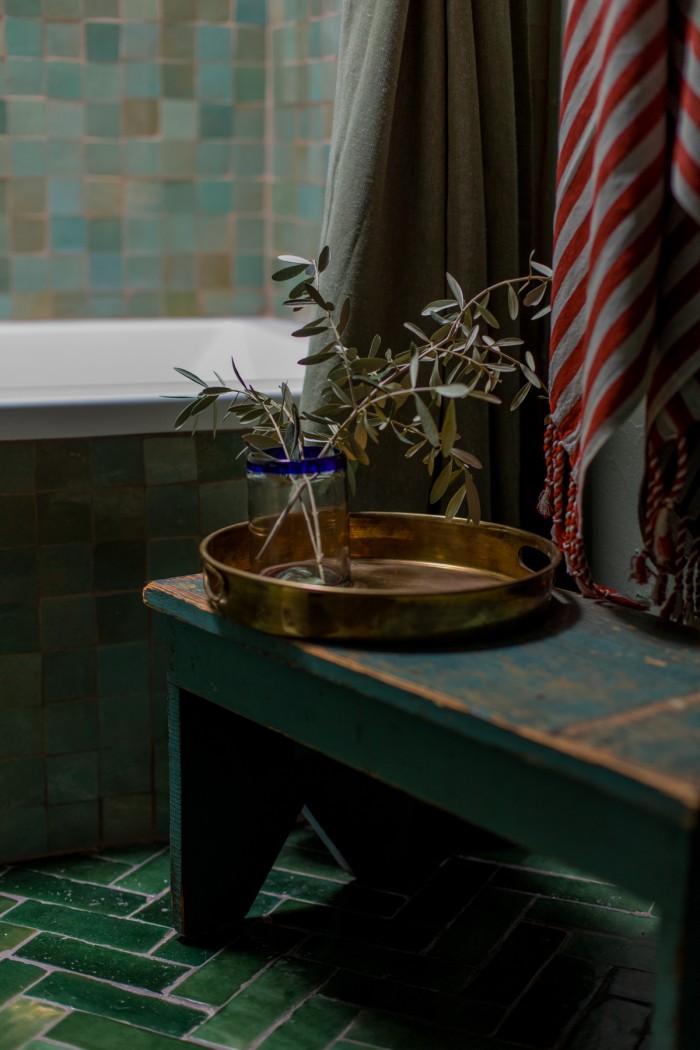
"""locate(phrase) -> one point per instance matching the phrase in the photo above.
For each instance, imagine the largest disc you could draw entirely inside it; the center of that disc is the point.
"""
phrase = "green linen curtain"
(431, 170)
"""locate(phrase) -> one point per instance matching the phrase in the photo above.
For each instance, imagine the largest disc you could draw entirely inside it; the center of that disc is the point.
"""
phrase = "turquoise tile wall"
(156, 154)
(84, 523)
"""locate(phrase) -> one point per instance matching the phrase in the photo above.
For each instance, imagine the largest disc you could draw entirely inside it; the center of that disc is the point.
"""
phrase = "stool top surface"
(600, 683)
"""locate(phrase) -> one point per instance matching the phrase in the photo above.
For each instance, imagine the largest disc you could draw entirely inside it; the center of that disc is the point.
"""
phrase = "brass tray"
(415, 576)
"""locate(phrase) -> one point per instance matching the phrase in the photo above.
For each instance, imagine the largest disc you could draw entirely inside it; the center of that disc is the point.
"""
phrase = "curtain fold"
(430, 171)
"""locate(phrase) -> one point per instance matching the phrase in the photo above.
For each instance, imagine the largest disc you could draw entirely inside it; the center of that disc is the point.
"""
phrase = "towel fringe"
(670, 554)
(566, 525)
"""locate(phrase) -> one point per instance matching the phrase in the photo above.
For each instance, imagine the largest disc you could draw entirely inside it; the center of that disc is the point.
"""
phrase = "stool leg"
(234, 800)
(676, 1022)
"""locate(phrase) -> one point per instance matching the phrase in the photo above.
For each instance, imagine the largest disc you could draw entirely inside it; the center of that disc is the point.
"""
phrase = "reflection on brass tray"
(413, 576)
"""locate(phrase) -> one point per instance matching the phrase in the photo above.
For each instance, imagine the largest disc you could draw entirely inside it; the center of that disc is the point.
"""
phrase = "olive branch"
(366, 393)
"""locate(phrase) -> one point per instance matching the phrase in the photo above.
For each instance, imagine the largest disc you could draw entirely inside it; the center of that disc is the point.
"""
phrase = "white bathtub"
(87, 378)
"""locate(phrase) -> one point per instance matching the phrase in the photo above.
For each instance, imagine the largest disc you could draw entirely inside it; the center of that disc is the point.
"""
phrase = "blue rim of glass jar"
(312, 463)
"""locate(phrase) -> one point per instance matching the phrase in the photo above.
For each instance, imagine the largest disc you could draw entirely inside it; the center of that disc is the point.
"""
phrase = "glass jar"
(298, 516)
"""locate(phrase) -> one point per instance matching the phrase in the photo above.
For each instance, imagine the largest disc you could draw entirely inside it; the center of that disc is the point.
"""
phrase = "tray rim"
(547, 547)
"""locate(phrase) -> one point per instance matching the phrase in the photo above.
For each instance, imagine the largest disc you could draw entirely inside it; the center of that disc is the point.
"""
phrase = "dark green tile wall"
(85, 523)
(156, 154)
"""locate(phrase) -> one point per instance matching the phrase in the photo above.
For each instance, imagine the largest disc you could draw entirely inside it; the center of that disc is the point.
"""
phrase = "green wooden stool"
(578, 737)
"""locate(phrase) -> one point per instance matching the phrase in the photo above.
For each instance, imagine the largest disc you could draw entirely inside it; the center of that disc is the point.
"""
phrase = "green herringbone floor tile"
(491, 953)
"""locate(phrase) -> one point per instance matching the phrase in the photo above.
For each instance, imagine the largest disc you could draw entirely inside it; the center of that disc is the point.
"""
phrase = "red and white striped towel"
(626, 289)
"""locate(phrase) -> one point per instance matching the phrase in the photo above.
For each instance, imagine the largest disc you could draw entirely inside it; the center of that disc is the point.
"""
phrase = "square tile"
(214, 43)
(19, 626)
(143, 80)
(22, 782)
(140, 117)
(23, 37)
(103, 158)
(28, 235)
(119, 565)
(181, 10)
(65, 119)
(215, 82)
(26, 117)
(173, 510)
(20, 674)
(60, 8)
(127, 817)
(179, 196)
(104, 235)
(23, 8)
(74, 826)
(23, 831)
(125, 770)
(72, 778)
(169, 459)
(141, 10)
(68, 234)
(102, 41)
(28, 158)
(214, 271)
(103, 195)
(123, 668)
(68, 274)
(121, 617)
(64, 463)
(249, 84)
(214, 196)
(65, 569)
(214, 10)
(139, 40)
(176, 557)
(178, 119)
(178, 272)
(21, 731)
(72, 726)
(17, 520)
(64, 516)
(177, 41)
(179, 232)
(178, 80)
(143, 271)
(222, 503)
(213, 158)
(65, 196)
(250, 12)
(124, 719)
(64, 80)
(118, 512)
(219, 456)
(250, 44)
(178, 158)
(17, 466)
(18, 573)
(101, 8)
(117, 460)
(215, 121)
(67, 622)
(102, 80)
(106, 271)
(69, 674)
(29, 273)
(142, 235)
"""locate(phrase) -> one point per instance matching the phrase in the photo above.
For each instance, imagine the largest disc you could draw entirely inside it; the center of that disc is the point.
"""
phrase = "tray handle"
(533, 558)
(215, 586)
